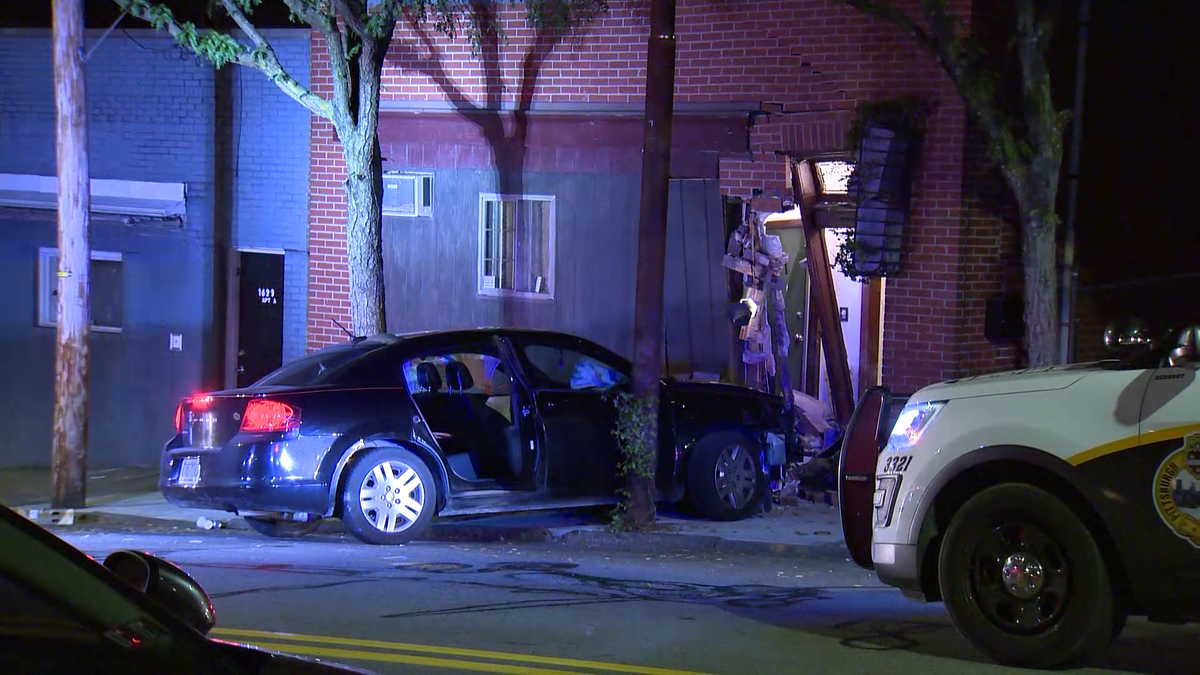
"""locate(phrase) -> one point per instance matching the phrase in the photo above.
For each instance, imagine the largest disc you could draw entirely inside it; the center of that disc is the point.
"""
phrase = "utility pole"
(69, 442)
(652, 235)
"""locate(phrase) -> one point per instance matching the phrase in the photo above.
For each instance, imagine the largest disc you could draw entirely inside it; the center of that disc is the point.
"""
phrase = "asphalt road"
(541, 609)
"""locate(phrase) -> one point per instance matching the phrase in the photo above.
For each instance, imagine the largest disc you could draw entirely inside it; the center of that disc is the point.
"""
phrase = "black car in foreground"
(390, 431)
(137, 614)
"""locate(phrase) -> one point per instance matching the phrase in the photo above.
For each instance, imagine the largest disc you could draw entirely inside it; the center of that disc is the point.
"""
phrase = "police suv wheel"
(1024, 581)
(723, 481)
(389, 496)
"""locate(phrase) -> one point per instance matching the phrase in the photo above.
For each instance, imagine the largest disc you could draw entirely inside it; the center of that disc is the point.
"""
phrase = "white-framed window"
(106, 287)
(407, 194)
(516, 245)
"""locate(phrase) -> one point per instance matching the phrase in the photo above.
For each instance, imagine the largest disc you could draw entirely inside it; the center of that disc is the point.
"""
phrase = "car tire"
(280, 528)
(383, 489)
(724, 476)
(1024, 580)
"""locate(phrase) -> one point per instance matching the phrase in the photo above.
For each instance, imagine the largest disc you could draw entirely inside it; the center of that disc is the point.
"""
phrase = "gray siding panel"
(431, 264)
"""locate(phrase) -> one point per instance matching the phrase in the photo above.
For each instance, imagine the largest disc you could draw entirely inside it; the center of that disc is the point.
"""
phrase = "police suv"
(1042, 506)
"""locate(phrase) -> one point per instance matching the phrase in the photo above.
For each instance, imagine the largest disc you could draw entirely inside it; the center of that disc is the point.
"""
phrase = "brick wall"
(809, 61)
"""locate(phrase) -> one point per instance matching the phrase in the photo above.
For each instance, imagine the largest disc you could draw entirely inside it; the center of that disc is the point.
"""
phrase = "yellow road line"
(412, 659)
(451, 651)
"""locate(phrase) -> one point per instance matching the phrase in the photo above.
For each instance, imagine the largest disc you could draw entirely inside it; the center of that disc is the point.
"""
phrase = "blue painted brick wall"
(271, 176)
(151, 117)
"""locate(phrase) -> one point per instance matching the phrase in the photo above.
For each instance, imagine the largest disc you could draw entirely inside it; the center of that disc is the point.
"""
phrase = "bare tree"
(69, 442)
(1026, 146)
(357, 36)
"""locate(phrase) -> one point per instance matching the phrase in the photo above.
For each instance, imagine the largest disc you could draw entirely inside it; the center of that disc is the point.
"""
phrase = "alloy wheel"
(734, 476)
(392, 496)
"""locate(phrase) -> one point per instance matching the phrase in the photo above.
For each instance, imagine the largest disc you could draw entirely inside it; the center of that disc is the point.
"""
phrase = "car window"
(473, 367)
(320, 367)
(564, 368)
(26, 615)
(378, 368)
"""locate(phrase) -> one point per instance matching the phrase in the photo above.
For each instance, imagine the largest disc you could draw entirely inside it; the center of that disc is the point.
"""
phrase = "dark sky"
(1140, 162)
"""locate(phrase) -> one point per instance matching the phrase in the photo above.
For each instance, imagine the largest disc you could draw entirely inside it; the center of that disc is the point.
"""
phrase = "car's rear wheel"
(389, 496)
(1024, 580)
(281, 528)
(724, 480)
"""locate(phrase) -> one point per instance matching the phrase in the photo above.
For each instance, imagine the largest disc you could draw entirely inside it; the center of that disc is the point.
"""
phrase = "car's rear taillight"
(179, 418)
(266, 415)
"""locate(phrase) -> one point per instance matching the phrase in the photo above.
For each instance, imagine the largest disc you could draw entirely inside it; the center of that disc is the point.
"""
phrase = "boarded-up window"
(107, 290)
(516, 246)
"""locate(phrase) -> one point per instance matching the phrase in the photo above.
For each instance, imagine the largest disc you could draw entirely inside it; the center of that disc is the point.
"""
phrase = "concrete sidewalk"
(128, 498)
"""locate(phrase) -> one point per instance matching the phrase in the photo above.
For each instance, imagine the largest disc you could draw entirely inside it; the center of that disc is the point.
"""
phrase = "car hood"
(701, 387)
(1009, 382)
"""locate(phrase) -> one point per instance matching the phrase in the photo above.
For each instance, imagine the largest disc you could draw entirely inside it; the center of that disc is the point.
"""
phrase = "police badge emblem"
(1177, 490)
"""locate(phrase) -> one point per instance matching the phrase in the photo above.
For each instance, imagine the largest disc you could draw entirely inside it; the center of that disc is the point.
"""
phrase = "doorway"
(795, 300)
(259, 312)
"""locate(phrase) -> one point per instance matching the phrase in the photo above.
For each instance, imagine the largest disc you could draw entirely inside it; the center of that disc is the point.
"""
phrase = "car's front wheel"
(389, 496)
(724, 476)
(1024, 580)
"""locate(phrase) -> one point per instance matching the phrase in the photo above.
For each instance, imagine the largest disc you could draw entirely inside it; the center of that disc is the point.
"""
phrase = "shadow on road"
(883, 620)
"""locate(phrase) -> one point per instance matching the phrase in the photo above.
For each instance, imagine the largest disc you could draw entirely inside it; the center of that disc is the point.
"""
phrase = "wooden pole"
(652, 232)
(69, 441)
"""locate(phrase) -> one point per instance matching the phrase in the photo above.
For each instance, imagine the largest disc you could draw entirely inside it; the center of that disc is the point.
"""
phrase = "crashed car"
(1043, 506)
(62, 612)
(388, 432)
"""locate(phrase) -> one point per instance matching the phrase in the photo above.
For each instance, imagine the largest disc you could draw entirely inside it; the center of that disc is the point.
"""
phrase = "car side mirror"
(1122, 335)
(166, 584)
(1187, 347)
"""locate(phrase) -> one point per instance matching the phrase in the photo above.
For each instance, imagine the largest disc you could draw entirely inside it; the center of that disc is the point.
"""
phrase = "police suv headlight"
(914, 419)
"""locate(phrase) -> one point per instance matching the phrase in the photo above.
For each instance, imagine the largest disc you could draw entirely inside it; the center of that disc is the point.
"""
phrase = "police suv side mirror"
(1122, 335)
(1187, 347)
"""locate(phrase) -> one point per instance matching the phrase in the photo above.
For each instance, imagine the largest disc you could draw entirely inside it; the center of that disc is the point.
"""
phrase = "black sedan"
(390, 431)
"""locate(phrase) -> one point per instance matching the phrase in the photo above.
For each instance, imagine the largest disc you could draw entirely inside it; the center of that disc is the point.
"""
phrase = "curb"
(597, 537)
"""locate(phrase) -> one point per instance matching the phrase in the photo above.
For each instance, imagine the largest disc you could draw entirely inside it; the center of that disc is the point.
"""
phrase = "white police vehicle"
(1043, 506)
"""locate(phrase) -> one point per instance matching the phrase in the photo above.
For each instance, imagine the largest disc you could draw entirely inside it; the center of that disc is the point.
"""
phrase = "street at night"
(545, 608)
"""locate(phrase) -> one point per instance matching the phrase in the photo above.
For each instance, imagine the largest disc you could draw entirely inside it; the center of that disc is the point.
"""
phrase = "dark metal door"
(260, 316)
(856, 474)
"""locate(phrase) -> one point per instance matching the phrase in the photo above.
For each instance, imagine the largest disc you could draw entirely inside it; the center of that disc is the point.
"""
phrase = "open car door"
(861, 444)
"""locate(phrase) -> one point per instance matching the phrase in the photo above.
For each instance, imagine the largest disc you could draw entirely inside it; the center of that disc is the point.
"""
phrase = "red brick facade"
(811, 62)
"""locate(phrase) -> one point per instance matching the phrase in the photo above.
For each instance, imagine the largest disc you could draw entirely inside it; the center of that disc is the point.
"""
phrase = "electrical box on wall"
(176, 342)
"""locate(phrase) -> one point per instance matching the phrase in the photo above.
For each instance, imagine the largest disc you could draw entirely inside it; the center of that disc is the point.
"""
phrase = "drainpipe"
(1070, 271)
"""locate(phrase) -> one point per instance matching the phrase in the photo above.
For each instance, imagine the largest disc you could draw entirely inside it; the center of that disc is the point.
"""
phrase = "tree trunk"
(364, 236)
(1039, 248)
(69, 441)
(652, 240)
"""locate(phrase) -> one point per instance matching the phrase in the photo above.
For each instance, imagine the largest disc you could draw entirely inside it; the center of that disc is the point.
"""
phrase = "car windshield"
(319, 367)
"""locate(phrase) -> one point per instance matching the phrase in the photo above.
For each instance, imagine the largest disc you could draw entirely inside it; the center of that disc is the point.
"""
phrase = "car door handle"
(524, 411)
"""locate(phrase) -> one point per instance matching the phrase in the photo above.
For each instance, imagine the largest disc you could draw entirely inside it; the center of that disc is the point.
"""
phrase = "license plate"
(189, 471)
